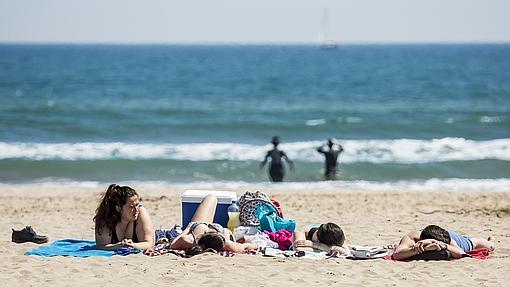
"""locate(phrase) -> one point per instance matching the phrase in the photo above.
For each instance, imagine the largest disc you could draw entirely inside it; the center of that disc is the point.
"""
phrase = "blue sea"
(406, 115)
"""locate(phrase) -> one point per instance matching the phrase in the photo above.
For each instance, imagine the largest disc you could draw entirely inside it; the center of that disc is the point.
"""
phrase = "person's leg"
(206, 210)
(483, 243)
(276, 173)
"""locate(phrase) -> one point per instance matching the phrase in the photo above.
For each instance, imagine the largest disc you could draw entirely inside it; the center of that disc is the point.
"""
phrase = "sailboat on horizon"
(324, 41)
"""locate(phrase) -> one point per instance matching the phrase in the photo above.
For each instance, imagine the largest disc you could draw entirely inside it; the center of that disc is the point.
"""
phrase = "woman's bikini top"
(214, 226)
(115, 239)
(313, 228)
(311, 232)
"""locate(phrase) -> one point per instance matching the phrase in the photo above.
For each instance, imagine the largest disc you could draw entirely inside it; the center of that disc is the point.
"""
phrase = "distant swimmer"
(276, 169)
(331, 158)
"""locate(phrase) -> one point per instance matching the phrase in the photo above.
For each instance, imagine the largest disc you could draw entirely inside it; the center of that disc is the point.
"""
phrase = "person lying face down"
(202, 234)
(325, 237)
(121, 221)
(436, 238)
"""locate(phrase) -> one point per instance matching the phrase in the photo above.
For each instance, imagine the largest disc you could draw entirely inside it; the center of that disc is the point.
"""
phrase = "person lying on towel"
(202, 234)
(326, 237)
(435, 238)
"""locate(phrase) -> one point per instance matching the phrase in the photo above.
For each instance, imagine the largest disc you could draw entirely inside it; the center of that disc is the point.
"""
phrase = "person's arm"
(455, 251)
(300, 242)
(239, 247)
(406, 248)
(321, 149)
(184, 240)
(262, 163)
(144, 231)
(287, 159)
(104, 238)
(308, 245)
(340, 149)
(344, 249)
(435, 245)
(329, 248)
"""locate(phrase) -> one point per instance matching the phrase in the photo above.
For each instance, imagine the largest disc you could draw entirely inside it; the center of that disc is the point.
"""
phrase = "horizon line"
(233, 43)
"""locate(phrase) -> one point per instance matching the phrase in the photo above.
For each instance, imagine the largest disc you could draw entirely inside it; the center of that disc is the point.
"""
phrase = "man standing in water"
(276, 169)
(331, 158)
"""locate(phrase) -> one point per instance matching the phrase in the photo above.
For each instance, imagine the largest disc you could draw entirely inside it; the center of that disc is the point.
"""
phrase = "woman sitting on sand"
(121, 221)
(202, 234)
(435, 238)
(325, 237)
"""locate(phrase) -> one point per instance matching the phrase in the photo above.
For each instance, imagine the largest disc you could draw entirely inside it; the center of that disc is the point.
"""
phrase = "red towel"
(480, 253)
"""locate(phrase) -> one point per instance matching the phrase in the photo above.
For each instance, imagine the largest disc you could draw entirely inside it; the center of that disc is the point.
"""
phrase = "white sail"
(324, 39)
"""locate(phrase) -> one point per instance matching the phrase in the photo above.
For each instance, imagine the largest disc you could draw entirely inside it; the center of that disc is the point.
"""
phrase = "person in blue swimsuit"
(436, 238)
(121, 221)
(202, 234)
(276, 168)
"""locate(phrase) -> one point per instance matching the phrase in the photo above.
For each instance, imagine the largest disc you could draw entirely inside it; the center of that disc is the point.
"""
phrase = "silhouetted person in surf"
(331, 156)
(276, 168)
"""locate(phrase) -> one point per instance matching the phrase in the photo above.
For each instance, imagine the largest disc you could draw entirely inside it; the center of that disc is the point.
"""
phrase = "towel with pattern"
(357, 252)
(162, 249)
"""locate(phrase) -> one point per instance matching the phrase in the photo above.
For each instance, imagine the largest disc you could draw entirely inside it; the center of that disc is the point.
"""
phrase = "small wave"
(490, 120)
(349, 120)
(451, 184)
(373, 151)
(430, 185)
(316, 122)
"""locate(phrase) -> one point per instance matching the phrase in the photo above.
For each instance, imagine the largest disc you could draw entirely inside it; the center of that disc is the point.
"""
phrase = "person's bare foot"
(492, 244)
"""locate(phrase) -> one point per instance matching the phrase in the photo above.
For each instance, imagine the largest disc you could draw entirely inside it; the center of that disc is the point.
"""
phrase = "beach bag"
(270, 220)
(278, 207)
(248, 204)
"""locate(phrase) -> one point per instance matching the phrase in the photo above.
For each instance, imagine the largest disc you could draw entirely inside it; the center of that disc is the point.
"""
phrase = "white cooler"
(191, 199)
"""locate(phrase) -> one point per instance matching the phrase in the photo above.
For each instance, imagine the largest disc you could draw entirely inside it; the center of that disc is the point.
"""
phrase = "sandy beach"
(367, 217)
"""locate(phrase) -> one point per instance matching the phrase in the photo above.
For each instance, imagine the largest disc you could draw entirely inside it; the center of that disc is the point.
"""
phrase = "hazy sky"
(261, 21)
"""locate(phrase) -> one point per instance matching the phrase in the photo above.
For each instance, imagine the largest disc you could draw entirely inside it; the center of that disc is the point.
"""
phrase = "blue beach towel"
(77, 248)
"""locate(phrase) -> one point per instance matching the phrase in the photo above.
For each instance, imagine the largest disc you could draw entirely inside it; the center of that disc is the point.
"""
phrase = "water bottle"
(233, 216)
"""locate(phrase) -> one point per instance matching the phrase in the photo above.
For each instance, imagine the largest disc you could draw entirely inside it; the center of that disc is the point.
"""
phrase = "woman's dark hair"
(435, 232)
(108, 212)
(331, 234)
(210, 240)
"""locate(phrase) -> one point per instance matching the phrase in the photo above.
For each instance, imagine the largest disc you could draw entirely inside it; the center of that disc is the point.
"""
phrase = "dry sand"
(367, 217)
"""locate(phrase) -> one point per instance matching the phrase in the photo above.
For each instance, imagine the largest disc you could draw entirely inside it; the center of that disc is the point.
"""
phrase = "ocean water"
(406, 115)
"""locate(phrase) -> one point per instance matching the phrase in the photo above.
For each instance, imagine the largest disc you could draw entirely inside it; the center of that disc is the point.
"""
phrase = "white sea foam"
(489, 120)
(316, 122)
(451, 184)
(374, 151)
(429, 185)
